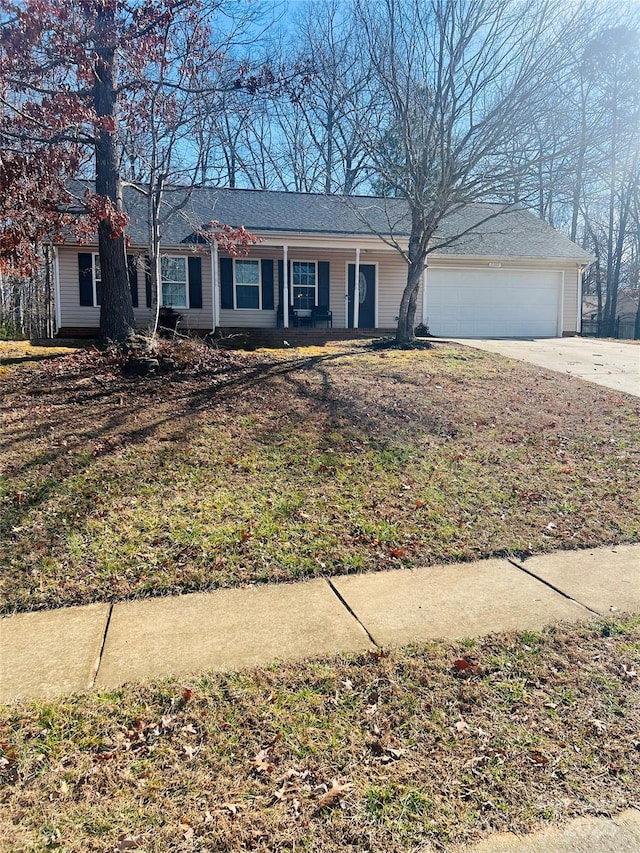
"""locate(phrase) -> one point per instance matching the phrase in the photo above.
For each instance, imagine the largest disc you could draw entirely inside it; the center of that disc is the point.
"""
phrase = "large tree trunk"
(416, 262)
(116, 310)
(407, 315)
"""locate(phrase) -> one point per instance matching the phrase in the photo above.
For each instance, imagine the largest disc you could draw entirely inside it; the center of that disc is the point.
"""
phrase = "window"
(174, 282)
(97, 281)
(246, 275)
(303, 289)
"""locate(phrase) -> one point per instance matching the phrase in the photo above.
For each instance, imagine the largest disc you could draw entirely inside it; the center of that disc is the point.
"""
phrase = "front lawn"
(239, 469)
(418, 749)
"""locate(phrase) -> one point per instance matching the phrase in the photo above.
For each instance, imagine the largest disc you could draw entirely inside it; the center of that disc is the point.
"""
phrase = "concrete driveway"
(614, 364)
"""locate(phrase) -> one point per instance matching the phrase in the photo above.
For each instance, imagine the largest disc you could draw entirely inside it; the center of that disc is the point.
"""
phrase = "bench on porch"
(320, 315)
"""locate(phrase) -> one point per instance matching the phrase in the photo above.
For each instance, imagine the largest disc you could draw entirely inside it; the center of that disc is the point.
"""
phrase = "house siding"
(74, 315)
(391, 272)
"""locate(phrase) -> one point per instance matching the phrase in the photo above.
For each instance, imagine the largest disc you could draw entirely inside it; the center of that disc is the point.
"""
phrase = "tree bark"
(416, 263)
(116, 310)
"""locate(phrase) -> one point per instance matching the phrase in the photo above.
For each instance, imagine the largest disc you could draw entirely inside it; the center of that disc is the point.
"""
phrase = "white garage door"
(493, 303)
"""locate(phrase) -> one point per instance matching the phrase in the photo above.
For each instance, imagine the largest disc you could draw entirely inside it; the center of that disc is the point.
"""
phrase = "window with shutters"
(303, 284)
(175, 290)
(247, 284)
(97, 280)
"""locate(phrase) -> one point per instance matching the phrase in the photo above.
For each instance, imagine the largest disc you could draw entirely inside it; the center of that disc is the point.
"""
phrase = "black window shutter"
(132, 267)
(147, 279)
(195, 282)
(323, 283)
(226, 282)
(280, 282)
(267, 284)
(85, 277)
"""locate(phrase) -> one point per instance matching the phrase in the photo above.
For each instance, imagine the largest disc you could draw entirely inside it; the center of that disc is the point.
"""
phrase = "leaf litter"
(543, 729)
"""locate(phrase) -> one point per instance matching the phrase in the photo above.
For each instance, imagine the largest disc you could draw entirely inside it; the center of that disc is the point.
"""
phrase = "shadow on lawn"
(81, 422)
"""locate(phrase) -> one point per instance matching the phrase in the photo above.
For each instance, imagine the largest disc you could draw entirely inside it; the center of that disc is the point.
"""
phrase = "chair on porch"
(320, 315)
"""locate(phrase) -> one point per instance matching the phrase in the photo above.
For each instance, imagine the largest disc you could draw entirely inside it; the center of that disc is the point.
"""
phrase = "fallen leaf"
(397, 552)
(333, 796)
(538, 758)
(462, 664)
(186, 829)
(128, 842)
(262, 763)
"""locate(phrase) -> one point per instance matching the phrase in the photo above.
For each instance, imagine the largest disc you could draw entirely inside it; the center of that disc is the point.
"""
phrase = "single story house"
(509, 274)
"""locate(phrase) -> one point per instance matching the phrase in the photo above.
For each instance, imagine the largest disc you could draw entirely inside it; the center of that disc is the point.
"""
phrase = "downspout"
(285, 286)
(356, 292)
(581, 272)
(561, 311)
(56, 287)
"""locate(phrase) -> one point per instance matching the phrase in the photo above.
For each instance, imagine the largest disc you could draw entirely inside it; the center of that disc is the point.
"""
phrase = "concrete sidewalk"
(105, 645)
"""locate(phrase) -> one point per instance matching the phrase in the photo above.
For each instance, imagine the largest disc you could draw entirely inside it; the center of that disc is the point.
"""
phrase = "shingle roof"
(491, 229)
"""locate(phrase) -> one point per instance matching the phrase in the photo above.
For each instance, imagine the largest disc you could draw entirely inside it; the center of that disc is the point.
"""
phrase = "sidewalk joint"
(348, 607)
(552, 586)
(96, 668)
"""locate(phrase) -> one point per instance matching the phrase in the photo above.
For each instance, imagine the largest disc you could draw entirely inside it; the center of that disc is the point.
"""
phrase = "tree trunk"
(416, 263)
(116, 309)
(155, 201)
(407, 315)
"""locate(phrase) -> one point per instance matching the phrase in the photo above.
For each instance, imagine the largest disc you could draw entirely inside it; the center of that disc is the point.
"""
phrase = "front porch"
(245, 337)
(254, 338)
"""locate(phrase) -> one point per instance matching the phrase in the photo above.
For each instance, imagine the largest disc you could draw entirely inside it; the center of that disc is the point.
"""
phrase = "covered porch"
(308, 285)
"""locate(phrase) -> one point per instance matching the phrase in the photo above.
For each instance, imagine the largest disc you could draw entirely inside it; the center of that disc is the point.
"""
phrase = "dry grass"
(14, 353)
(238, 469)
(422, 748)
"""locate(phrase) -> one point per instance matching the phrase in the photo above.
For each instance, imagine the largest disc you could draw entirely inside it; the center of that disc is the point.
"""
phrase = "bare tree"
(612, 66)
(460, 79)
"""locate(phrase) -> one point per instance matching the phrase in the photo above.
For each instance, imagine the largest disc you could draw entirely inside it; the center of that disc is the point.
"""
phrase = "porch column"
(285, 286)
(424, 295)
(346, 299)
(56, 287)
(356, 291)
(215, 285)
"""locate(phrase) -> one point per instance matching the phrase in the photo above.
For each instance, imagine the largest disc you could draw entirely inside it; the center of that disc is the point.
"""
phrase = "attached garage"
(494, 303)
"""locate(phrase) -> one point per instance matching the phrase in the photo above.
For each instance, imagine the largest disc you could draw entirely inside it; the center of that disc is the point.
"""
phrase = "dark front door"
(365, 293)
